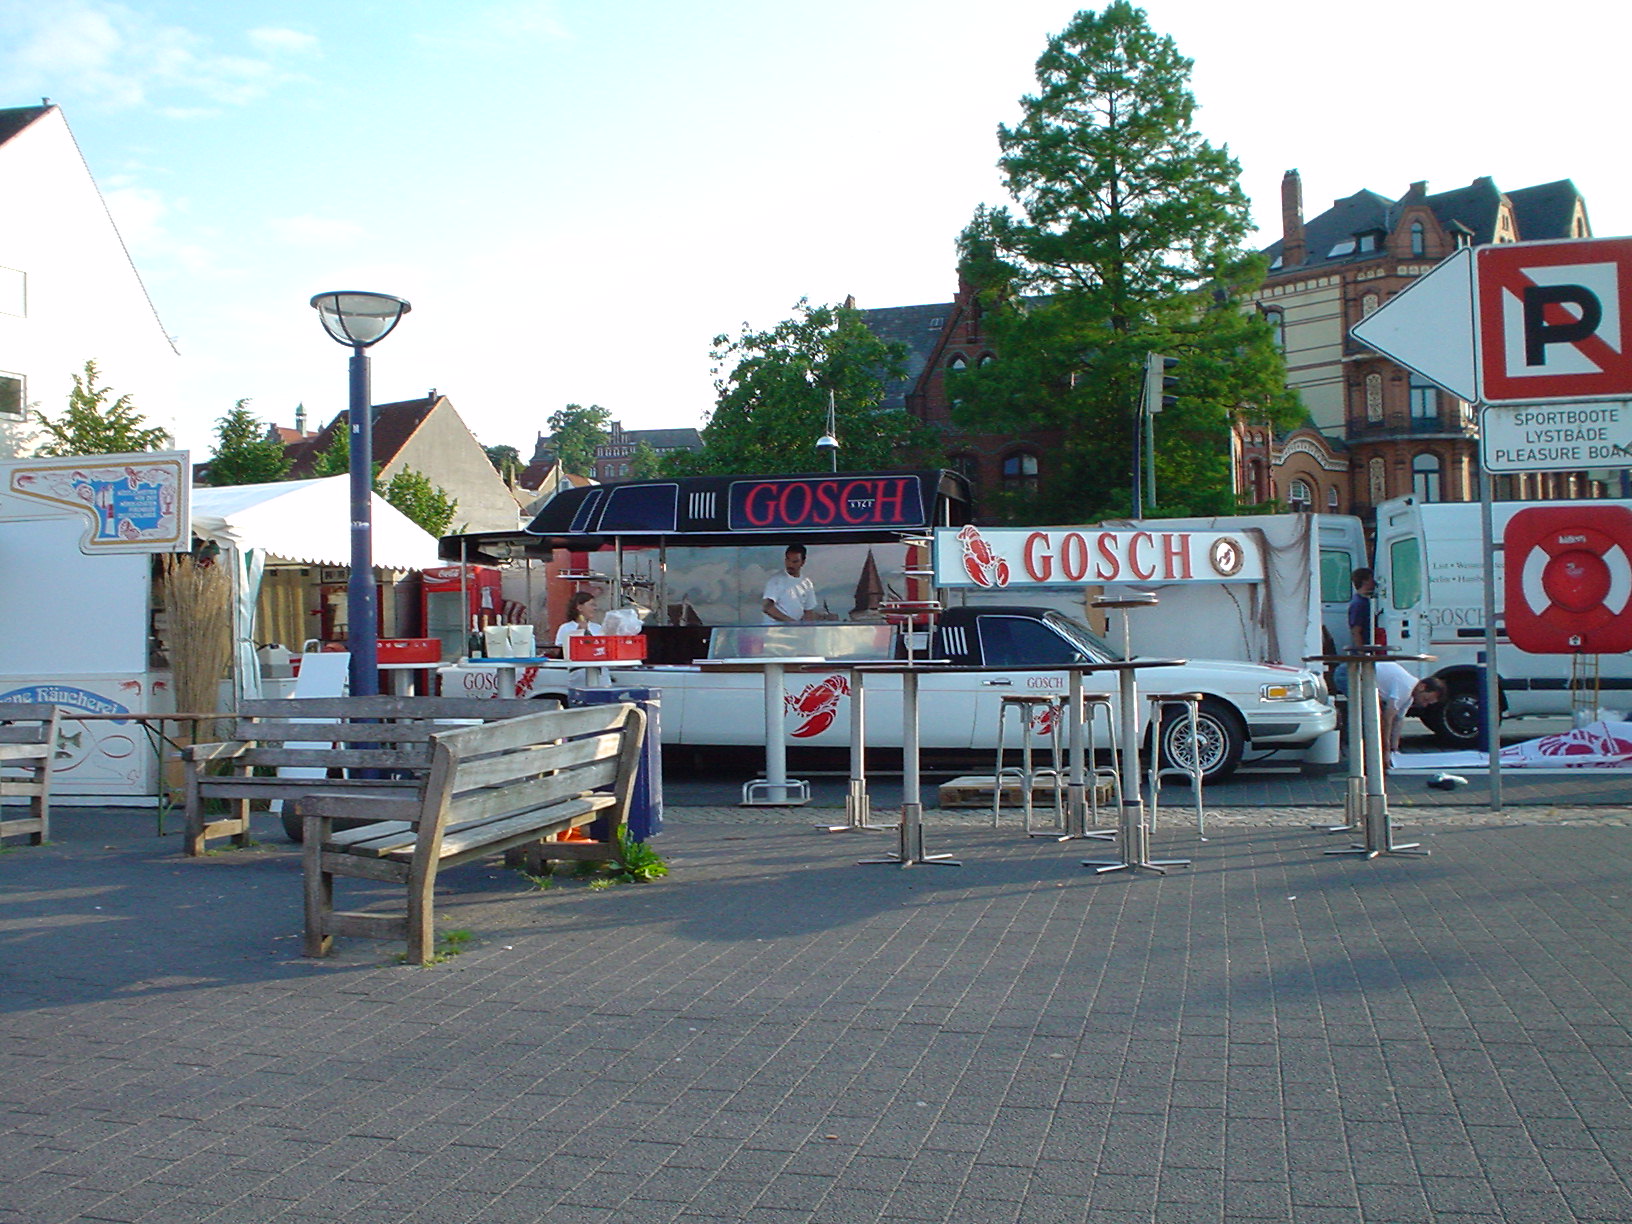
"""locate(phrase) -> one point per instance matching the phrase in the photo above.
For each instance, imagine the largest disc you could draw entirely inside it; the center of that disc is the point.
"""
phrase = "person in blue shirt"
(1362, 631)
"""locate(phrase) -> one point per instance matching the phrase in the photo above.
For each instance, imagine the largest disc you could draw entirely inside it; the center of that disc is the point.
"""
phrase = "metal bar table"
(775, 789)
(1375, 826)
(1133, 833)
(858, 804)
(512, 669)
(910, 848)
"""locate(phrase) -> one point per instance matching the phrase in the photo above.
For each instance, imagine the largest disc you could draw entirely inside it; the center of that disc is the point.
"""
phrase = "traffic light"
(1160, 382)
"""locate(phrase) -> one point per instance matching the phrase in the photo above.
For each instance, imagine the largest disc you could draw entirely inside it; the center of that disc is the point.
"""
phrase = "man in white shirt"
(790, 597)
(1398, 692)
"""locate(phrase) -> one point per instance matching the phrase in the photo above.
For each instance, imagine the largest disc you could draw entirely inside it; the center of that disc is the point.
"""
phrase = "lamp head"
(827, 442)
(358, 320)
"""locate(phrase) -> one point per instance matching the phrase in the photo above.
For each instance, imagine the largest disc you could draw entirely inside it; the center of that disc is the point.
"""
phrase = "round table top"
(944, 665)
(1369, 656)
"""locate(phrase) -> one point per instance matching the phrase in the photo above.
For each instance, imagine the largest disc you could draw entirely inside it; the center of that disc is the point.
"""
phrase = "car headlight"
(1289, 690)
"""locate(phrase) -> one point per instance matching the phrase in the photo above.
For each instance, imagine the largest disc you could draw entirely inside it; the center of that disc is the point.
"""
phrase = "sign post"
(1516, 324)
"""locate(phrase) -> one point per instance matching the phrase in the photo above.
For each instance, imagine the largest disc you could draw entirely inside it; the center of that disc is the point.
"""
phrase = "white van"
(1431, 600)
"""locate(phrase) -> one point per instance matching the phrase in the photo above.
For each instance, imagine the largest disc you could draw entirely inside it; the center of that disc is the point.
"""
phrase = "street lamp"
(829, 441)
(359, 320)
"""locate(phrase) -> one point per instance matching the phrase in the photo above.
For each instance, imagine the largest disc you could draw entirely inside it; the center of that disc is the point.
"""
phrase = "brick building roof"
(1543, 211)
(394, 424)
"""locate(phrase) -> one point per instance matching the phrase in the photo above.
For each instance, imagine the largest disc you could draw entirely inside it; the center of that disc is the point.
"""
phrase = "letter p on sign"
(1553, 320)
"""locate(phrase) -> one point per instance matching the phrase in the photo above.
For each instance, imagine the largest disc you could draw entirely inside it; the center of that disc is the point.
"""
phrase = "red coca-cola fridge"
(456, 599)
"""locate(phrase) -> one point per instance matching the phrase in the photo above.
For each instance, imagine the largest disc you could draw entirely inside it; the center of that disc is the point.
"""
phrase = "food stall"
(89, 628)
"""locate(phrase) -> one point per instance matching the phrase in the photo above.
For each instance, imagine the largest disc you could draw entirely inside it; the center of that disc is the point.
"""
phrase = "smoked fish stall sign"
(995, 558)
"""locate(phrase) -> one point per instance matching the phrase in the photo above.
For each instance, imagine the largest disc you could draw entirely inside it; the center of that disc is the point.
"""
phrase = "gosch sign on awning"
(996, 558)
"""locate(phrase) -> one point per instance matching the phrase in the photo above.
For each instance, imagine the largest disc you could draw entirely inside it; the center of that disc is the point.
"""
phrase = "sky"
(577, 196)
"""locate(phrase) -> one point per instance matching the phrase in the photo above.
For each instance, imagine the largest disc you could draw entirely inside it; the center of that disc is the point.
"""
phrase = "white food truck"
(1430, 599)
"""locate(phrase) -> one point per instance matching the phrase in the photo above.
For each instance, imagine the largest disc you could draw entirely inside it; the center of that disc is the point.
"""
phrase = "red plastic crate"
(410, 650)
(602, 648)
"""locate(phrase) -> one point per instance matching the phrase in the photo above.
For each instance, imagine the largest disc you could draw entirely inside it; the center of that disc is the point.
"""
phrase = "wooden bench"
(509, 786)
(28, 744)
(293, 747)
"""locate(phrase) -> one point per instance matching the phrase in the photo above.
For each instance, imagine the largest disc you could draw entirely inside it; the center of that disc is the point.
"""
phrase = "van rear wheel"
(1455, 722)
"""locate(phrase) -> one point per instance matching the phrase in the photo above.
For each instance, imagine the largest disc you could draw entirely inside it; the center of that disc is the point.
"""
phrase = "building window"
(12, 399)
(1377, 481)
(1331, 500)
(1424, 401)
(938, 322)
(1368, 304)
(1425, 476)
(986, 359)
(1365, 242)
(1418, 239)
(1374, 397)
(957, 364)
(1020, 472)
(1298, 496)
(1277, 327)
(968, 466)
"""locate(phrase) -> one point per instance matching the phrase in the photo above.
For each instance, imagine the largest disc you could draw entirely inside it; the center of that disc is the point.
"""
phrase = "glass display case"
(807, 641)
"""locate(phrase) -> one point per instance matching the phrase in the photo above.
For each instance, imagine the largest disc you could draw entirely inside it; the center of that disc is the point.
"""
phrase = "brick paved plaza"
(775, 1034)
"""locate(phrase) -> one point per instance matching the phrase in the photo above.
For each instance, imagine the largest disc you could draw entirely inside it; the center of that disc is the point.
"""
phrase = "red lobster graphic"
(979, 561)
(1047, 719)
(818, 705)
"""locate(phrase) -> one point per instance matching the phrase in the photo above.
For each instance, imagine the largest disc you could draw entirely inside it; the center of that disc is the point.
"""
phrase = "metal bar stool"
(1190, 704)
(1094, 704)
(1028, 708)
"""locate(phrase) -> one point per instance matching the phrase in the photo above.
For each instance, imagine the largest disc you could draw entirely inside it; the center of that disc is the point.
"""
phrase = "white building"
(68, 290)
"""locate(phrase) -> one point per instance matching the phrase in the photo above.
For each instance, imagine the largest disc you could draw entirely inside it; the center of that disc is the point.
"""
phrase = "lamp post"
(359, 320)
(829, 441)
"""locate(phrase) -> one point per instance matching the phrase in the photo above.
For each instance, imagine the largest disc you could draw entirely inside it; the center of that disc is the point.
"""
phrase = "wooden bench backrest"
(527, 763)
(33, 722)
(380, 732)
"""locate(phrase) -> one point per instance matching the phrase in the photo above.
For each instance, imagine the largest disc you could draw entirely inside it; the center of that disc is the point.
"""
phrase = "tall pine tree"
(1125, 238)
(244, 454)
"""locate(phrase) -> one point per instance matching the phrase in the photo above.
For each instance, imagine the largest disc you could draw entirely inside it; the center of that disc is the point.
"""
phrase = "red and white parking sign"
(1555, 320)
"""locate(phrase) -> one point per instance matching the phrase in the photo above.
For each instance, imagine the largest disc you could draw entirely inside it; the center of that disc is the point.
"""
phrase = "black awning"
(824, 508)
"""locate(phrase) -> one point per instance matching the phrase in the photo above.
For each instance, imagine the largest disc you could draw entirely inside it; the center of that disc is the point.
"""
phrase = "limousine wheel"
(1221, 733)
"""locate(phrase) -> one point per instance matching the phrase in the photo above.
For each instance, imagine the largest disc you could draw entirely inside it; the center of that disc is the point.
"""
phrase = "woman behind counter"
(581, 614)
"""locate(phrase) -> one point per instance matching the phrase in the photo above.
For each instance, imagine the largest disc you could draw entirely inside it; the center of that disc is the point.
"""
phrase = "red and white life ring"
(1569, 579)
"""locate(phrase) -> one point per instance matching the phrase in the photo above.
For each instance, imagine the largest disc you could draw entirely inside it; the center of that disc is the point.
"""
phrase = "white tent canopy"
(307, 521)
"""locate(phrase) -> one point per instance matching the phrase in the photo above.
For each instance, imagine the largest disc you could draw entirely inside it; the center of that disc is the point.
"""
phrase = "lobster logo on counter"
(817, 706)
(979, 561)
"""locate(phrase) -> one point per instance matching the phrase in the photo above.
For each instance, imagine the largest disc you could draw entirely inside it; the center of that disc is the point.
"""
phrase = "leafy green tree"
(645, 463)
(243, 452)
(335, 458)
(772, 398)
(409, 491)
(506, 460)
(95, 423)
(1126, 238)
(575, 433)
(427, 504)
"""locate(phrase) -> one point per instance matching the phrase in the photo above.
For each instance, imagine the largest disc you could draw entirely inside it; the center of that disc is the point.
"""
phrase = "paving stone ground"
(775, 1034)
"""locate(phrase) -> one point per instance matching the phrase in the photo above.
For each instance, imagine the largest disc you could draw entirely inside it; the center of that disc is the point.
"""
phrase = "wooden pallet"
(976, 791)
